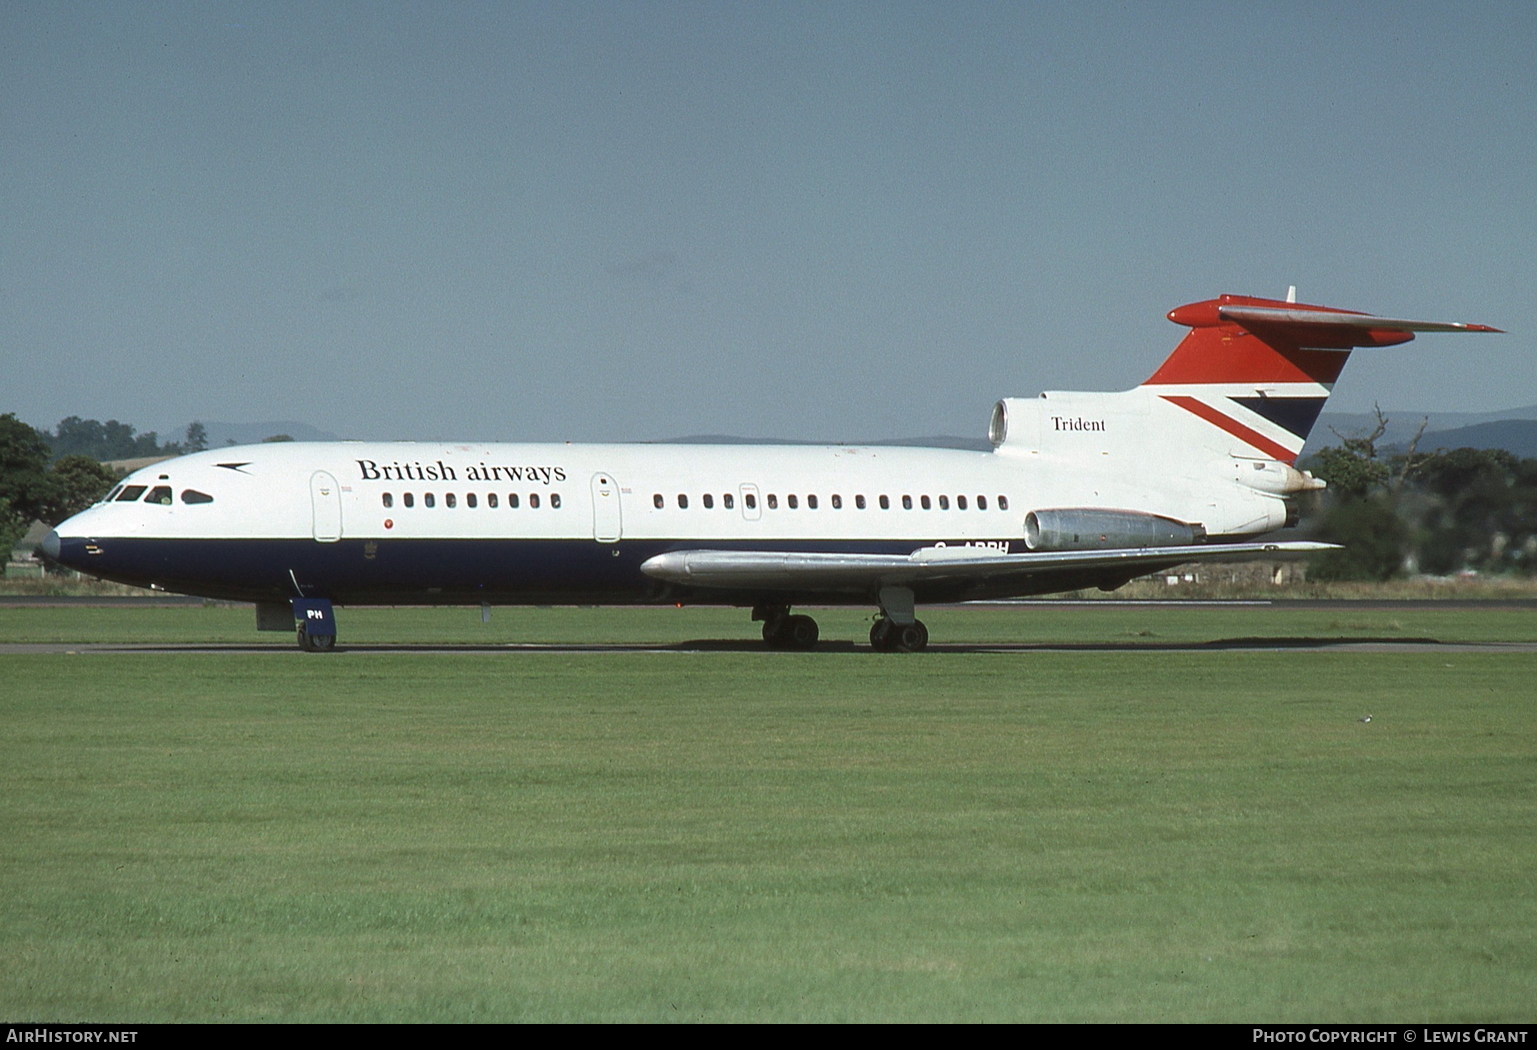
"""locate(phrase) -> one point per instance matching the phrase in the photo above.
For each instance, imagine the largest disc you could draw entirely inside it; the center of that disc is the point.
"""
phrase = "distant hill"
(1443, 430)
(937, 441)
(1518, 436)
(220, 434)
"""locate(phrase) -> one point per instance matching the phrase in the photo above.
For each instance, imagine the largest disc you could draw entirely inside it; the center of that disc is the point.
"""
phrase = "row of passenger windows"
(450, 499)
(160, 494)
(750, 501)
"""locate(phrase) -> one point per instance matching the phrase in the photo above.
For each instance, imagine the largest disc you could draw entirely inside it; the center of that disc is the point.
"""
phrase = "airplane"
(1080, 490)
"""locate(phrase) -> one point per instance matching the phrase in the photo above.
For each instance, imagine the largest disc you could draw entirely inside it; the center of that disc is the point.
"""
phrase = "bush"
(1374, 540)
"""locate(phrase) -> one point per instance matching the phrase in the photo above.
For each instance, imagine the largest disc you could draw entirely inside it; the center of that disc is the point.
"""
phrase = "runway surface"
(42, 601)
(1303, 645)
(1238, 644)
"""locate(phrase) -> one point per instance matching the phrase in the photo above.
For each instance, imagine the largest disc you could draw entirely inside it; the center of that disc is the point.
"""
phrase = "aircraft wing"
(788, 570)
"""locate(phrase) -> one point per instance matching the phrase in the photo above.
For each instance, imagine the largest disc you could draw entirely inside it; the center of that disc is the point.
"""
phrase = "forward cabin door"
(606, 524)
(326, 500)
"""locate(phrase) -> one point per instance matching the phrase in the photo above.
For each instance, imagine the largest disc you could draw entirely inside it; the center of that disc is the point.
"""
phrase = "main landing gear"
(897, 630)
(783, 631)
(889, 637)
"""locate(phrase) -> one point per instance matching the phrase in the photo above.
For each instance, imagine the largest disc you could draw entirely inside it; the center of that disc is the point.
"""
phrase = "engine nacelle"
(1087, 528)
(1274, 477)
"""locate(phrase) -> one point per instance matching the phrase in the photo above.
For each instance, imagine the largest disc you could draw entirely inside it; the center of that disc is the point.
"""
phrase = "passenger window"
(811, 503)
(160, 494)
(792, 502)
(428, 500)
(885, 503)
(682, 501)
(554, 501)
(727, 502)
(469, 499)
(131, 493)
(751, 501)
(859, 503)
(960, 503)
(981, 502)
(533, 501)
(194, 496)
(773, 502)
(450, 500)
(512, 501)
(837, 502)
(388, 500)
(924, 501)
(658, 502)
(709, 501)
(944, 503)
(1003, 503)
(907, 503)
(410, 500)
(491, 500)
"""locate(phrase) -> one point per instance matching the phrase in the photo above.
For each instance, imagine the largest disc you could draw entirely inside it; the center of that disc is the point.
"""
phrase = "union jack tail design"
(1258, 371)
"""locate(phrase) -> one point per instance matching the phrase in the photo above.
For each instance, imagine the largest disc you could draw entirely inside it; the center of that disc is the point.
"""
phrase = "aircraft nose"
(50, 545)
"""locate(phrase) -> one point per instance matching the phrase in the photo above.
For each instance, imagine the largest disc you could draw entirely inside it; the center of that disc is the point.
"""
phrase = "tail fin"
(1261, 369)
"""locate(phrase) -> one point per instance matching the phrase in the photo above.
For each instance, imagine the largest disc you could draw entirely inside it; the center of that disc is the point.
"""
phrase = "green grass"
(771, 836)
(1115, 624)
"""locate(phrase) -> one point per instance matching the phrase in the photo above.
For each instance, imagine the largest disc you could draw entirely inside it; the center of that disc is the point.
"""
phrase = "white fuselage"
(409, 490)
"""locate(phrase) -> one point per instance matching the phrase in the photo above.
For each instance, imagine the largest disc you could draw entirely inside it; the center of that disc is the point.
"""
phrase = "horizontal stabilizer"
(790, 570)
(1269, 315)
(1284, 349)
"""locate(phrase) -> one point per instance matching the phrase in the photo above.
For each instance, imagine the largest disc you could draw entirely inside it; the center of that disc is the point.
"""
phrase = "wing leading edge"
(809, 571)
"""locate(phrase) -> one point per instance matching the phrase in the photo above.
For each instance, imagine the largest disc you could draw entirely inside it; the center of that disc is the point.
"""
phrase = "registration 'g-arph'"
(1080, 490)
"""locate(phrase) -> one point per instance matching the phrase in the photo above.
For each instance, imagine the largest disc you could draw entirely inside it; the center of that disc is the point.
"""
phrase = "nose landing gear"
(316, 622)
(316, 643)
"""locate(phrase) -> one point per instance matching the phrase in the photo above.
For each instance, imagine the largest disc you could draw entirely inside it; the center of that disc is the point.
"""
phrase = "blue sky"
(630, 221)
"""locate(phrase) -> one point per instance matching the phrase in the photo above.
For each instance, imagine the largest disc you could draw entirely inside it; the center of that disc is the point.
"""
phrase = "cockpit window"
(131, 493)
(159, 494)
(109, 497)
(194, 496)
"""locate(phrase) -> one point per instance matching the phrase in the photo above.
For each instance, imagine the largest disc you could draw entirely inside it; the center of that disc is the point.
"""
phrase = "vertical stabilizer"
(1258, 371)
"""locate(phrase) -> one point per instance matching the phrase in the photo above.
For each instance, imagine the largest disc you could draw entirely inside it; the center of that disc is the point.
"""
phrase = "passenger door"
(326, 502)
(607, 525)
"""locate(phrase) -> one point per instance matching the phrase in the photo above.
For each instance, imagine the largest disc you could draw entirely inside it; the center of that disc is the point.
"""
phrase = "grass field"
(562, 835)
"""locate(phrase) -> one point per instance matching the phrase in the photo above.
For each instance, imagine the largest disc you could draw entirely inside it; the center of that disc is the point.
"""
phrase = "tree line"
(49, 476)
(113, 440)
(1407, 512)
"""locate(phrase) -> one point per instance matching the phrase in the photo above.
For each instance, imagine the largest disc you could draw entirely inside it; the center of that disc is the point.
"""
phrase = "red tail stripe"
(1229, 354)
(1232, 426)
